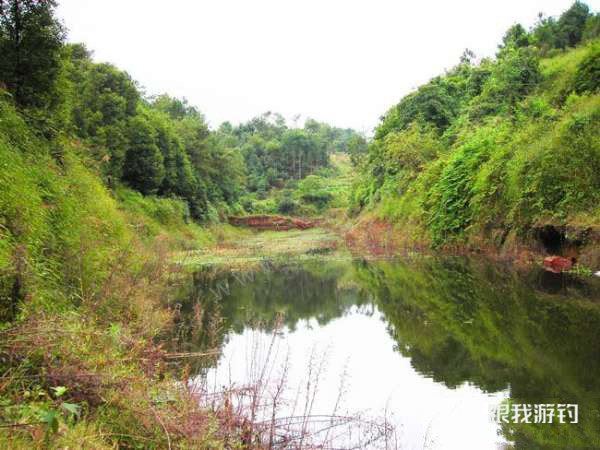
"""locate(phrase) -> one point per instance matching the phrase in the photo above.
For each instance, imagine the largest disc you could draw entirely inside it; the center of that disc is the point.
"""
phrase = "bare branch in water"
(263, 417)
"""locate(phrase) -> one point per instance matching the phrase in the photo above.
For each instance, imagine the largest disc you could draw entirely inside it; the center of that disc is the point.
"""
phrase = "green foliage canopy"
(30, 43)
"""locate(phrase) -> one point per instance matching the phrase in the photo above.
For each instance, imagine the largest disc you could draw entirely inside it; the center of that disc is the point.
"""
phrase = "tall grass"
(84, 293)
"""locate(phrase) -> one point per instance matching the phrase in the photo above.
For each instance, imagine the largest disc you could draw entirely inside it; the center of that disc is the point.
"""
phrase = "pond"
(432, 346)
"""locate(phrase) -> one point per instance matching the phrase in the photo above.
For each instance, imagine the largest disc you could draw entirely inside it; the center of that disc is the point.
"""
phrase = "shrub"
(514, 76)
(587, 77)
(286, 204)
(448, 204)
(558, 175)
(312, 190)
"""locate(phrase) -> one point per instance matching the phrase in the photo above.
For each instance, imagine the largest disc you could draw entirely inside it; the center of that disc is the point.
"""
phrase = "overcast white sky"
(340, 61)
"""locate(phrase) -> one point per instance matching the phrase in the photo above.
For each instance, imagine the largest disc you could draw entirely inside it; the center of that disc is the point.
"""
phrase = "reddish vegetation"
(558, 264)
(265, 222)
(375, 237)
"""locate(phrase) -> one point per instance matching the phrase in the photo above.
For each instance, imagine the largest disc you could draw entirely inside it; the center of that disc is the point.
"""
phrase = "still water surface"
(432, 344)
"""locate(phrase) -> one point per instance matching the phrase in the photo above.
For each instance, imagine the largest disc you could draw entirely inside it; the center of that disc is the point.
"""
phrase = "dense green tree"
(545, 34)
(143, 169)
(30, 43)
(108, 97)
(357, 148)
(592, 27)
(436, 103)
(105, 100)
(217, 167)
(206, 156)
(179, 177)
(174, 107)
(286, 203)
(301, 154)
(275, 154)
(587, 78)
(76, 61)
(227, 173)
(312, 190)
(332, 139)
(476, 78)
(516, 37)
(515, 75)
(571, 24)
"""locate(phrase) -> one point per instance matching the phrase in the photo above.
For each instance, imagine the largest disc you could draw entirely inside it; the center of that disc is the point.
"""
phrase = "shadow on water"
(533, 333)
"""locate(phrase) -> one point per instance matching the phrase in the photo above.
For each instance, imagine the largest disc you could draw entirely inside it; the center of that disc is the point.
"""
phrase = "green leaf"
(73, 408)
(114, 330)
(59, 391)
(50, 418)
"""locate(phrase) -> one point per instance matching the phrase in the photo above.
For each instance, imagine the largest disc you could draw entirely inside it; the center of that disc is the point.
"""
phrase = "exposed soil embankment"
(381, 238)
(375, 237)
(579, 242)
(269, 222)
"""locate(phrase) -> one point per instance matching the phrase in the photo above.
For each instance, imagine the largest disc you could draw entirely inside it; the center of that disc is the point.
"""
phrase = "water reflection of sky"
(427, 414)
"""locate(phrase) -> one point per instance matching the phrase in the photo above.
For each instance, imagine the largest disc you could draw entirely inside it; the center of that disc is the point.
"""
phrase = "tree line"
(276, 154)
(156, 145)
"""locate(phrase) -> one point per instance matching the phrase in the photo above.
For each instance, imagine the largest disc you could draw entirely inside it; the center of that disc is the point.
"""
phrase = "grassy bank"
(85, 277)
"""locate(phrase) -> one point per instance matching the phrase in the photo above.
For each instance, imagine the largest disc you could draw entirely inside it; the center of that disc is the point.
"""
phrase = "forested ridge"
(163, 146)
(156, 145)
(497, 146)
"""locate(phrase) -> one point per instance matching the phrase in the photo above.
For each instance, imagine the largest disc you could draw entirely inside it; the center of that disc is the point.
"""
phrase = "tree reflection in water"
(457, 319)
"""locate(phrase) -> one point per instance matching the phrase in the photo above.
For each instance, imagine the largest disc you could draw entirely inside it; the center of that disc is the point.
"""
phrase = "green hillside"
(494, 149)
